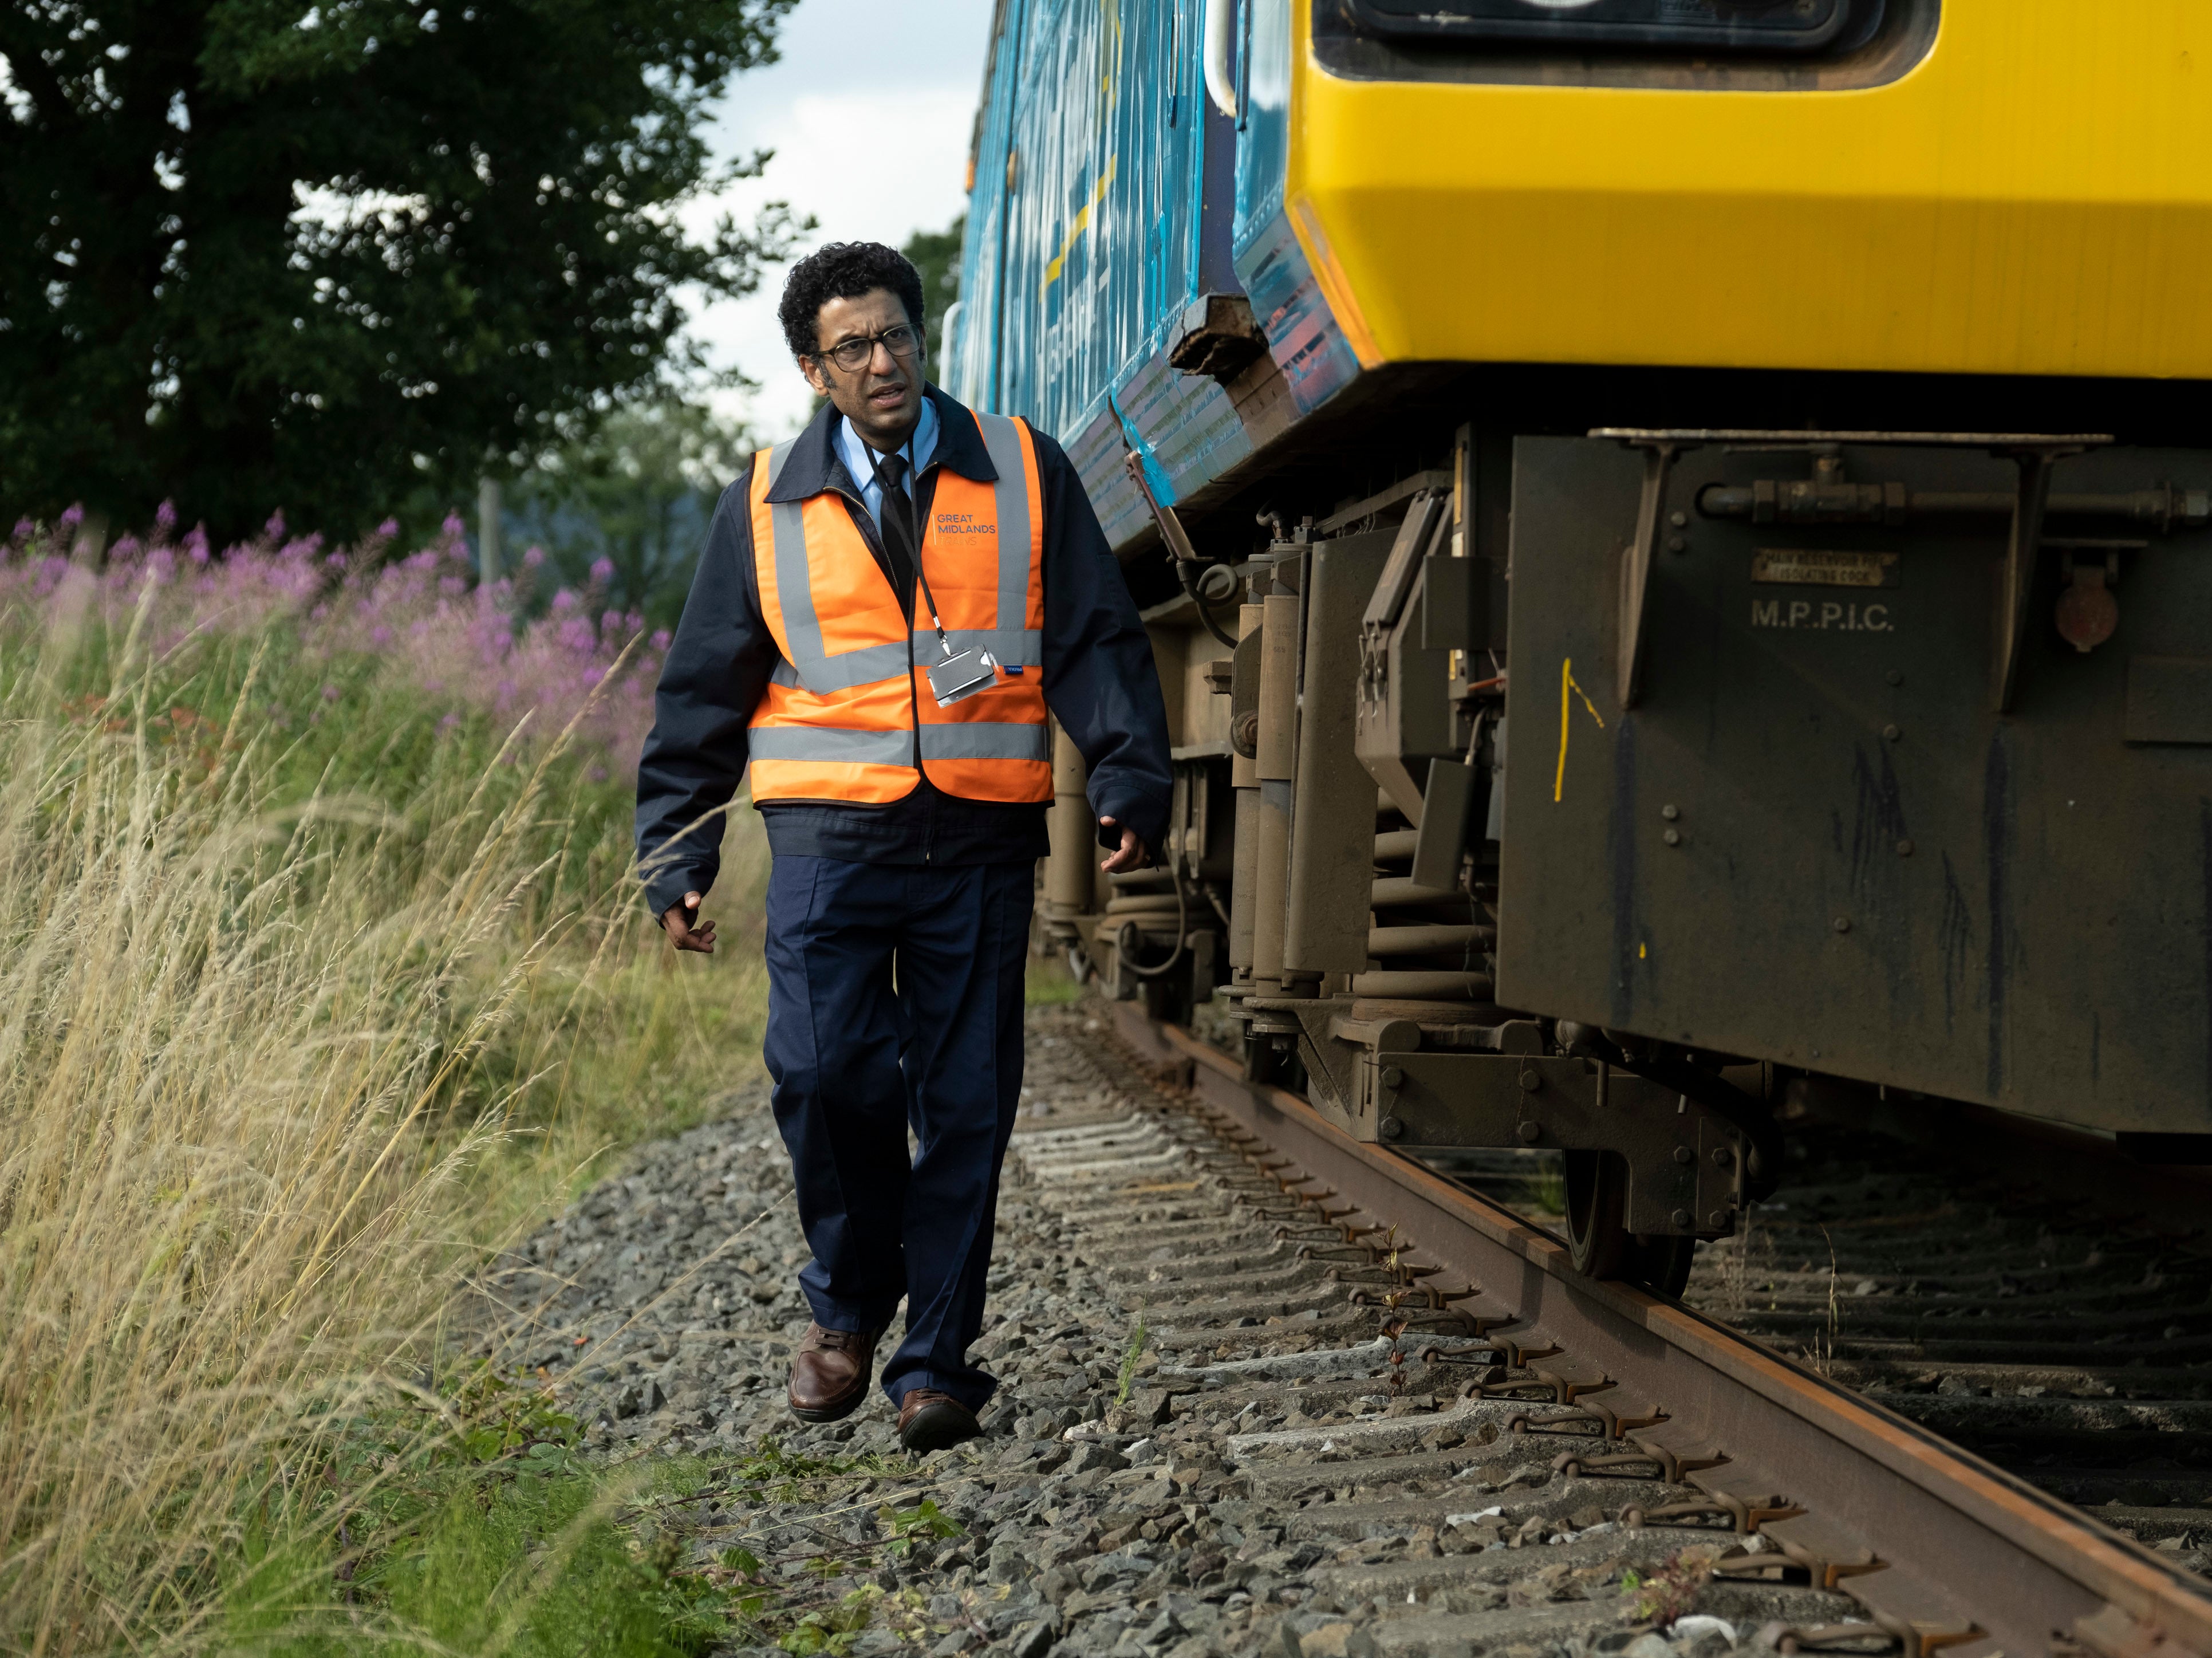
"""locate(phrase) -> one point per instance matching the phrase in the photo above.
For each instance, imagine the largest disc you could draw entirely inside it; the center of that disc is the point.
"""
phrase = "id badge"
(961, 676)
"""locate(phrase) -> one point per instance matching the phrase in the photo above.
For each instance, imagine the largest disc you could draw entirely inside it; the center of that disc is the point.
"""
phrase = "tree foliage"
(262, 253)
(936, 255)
(638, 493)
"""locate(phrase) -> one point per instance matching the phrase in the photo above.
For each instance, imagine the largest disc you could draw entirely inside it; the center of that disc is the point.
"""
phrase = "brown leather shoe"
(930, 1421)
(829, 1373)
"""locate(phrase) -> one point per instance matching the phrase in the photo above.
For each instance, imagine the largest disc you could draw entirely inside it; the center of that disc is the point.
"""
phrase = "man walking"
(885, 609)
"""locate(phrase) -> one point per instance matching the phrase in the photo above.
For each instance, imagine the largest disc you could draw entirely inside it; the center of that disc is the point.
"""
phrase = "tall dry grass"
(278, 1067)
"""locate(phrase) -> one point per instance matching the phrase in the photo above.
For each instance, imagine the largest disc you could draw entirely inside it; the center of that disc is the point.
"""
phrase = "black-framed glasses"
(901, 342)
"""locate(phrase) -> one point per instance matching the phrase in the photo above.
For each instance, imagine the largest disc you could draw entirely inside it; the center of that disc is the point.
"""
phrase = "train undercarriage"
(1786, 712)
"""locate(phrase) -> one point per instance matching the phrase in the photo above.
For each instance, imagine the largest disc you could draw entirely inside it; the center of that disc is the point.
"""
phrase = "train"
(1677, 537)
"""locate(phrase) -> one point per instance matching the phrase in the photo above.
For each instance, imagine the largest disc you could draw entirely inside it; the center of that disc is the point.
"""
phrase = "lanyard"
(913, 531)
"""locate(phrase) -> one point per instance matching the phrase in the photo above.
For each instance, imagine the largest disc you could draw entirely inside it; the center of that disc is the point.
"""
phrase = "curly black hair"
(842, 269)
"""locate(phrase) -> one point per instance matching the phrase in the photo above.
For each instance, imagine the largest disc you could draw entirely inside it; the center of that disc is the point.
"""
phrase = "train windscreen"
(1791, 26)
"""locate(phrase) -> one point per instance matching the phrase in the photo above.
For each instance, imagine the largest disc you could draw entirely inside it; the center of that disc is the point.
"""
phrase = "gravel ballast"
(1200, 1446)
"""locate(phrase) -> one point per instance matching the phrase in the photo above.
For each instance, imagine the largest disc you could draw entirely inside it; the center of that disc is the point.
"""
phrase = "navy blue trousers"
(895, 1000)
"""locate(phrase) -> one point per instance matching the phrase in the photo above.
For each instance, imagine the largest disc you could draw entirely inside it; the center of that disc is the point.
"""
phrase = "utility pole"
(487, 546)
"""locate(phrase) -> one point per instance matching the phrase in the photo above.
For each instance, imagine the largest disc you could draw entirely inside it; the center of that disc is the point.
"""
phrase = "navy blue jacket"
(1099, 681)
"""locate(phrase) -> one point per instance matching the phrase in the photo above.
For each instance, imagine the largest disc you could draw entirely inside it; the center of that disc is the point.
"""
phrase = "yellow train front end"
(2004, 187)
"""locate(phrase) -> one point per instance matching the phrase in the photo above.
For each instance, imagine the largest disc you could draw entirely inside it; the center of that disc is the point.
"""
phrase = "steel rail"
(2032, 1571)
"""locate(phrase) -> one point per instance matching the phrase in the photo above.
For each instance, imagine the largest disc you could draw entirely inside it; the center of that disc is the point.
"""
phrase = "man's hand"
(1130, 855)
(677, 923)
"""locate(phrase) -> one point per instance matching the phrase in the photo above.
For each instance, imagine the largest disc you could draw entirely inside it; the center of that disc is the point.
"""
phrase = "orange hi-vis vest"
(840, 720)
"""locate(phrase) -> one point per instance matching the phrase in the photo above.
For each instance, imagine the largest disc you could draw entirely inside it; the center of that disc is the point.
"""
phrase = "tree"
(936, 255)
(638, 493)
(263, 253)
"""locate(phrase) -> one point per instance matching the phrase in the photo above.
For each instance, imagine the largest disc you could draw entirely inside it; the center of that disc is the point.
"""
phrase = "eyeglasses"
(901, 342)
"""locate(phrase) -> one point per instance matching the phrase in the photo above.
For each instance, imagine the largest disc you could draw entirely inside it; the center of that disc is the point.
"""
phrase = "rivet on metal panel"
(1531, 1080)
(1894, 676)
(1722, 1156)
(1392, 1128)
(1673, 838)
(1718, 1220)
(1678, 544)
(1679, 519)
(1681, 1218)
(1842, 923)
(1684, 1155)
(1530, 1133)
(1393, 1076)
(1892, 732)
(1904, 849)
(1672, 814)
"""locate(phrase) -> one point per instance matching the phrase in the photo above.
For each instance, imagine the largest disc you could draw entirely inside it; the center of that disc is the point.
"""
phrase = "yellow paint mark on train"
(1569, 688)
(1641, 952)
(1082, 223)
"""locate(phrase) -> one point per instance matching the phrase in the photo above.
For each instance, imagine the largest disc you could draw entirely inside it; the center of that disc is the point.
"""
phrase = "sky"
(869, 112)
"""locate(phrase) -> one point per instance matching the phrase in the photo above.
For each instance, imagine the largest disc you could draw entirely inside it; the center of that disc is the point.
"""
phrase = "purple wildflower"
(274, 529)
(72, 516)
(165, 520)
(418, 621)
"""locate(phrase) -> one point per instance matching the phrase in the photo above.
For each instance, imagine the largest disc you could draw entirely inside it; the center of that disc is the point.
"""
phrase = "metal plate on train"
(1814, 838)
(1821, 567)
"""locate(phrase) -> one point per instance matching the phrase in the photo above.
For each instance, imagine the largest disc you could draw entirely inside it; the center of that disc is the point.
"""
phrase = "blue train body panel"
(1109, 196)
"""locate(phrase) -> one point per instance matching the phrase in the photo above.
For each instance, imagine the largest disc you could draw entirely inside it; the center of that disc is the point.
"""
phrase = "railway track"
(1314, 1452)
(2074, 1352)
(1456, 1388)
(2064, 1337)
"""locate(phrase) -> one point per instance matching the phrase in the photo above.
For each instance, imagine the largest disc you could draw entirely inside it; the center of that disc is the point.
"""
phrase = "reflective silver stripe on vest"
(1021, 649)
(794, 586)
(971, 740)
(830, 742)
(848, 668)
(1011, 498)
(1012, 646)
(985, 740)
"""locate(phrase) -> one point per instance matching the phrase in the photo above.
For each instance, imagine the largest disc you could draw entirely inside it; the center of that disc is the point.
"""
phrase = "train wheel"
(1661, 1265)
(1601, 1246)
(1597, 1190)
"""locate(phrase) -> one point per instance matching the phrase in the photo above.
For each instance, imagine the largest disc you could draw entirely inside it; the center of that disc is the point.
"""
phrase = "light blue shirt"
(917, 448)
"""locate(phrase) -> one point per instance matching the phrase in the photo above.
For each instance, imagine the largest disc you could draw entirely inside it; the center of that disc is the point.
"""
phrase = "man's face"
(882, 397)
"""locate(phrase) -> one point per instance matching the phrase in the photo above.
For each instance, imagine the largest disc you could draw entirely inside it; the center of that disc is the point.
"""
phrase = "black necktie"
(896, 524)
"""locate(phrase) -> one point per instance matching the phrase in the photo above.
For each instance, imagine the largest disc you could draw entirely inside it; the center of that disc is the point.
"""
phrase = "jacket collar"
(814, 469)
